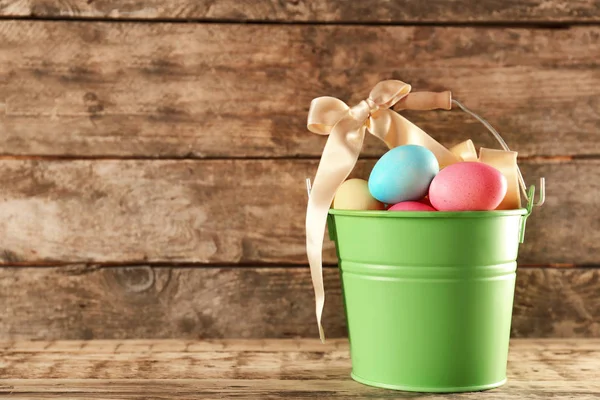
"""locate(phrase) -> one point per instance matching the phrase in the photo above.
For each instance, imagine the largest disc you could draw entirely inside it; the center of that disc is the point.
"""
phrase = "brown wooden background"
(153, 153)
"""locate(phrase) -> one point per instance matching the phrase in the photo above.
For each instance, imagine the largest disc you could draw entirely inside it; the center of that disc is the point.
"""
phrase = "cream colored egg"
(354, 195)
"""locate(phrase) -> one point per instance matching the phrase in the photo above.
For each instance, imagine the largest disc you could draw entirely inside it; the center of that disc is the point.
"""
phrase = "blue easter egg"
(403, 174)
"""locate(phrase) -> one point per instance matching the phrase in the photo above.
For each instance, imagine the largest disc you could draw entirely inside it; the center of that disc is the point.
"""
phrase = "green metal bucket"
(428, 295)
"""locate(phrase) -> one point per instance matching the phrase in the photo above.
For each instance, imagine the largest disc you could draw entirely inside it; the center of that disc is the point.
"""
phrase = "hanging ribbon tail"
(339, 157)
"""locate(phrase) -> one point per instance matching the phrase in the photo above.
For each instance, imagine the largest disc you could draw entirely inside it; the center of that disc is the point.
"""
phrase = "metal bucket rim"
(428, 214)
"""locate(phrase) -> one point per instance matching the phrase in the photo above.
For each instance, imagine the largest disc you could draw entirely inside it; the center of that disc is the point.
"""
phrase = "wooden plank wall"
(153, 154)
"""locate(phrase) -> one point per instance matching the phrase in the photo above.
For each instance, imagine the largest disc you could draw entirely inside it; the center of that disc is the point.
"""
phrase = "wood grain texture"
(180, 302)
(169, 90)
(229, 211)
(248, 389)
(300, 359)
(403, 11)
(537, 369)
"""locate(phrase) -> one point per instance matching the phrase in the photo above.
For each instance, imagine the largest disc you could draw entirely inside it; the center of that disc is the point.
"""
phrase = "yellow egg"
(354, 195)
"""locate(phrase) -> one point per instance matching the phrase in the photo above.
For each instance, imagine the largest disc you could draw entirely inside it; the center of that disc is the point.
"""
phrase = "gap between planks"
(251, 265)
(535, 158)
(99, 346)
(532, 24)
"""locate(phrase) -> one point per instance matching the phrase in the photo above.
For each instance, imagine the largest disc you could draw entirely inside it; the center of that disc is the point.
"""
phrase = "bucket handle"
(529, 196)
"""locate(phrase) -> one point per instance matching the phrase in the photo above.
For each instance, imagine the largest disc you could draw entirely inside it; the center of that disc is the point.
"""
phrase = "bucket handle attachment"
(530, 204)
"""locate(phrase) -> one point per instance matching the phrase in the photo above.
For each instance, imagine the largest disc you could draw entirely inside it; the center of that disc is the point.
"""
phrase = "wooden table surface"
(263, 369)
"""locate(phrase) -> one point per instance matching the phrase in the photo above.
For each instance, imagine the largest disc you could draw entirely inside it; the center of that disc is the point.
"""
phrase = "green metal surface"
(428, 296)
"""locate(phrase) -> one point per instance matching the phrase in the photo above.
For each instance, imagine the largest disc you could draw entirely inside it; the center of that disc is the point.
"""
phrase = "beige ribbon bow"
(346, 128)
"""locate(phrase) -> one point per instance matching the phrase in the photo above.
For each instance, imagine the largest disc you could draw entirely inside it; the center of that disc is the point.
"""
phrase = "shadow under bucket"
(428, 296)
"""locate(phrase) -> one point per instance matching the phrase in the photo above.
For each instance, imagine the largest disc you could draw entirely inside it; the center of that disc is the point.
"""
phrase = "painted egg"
(467, 186)
(403, 174)
(354, 194)
(411, 206)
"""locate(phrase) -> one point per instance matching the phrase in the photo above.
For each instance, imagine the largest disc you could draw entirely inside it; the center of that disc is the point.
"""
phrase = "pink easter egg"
(411, 206)
(467, 186)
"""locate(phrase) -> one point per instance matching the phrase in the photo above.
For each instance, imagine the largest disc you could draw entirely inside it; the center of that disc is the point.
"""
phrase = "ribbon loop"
(324, 113)
(387, 93)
